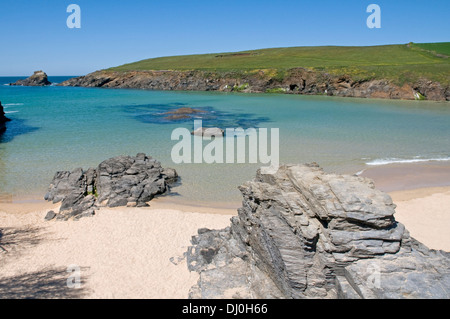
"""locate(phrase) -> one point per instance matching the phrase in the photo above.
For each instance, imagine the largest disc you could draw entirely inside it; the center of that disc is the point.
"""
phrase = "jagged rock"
(118, 181)
(316, 235)
(39, 78)
(225, 272)
(3, 119)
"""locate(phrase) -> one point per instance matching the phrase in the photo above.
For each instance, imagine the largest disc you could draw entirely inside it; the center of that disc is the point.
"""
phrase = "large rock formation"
(3, 119)
(39, 78)
(119, 181)
(302, 233)
(295, 81)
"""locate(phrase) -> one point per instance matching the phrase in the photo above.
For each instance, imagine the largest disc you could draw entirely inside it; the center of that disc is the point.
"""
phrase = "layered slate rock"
(3, 119)
(317, 235)
(118, 181)
(39, 78)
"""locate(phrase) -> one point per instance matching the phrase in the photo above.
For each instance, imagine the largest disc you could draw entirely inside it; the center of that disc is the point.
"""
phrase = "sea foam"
(386, 161)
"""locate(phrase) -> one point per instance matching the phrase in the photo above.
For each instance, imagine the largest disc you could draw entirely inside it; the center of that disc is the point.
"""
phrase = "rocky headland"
(295, 81)
(301, 233)
(39, 78)
(3, 119)
(119, 181)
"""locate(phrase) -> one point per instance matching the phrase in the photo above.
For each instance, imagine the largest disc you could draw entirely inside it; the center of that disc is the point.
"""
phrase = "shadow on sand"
(47, 283)
(15, 239)
(44, 284)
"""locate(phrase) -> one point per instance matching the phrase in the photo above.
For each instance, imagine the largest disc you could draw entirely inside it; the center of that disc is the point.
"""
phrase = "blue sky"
(34, 34)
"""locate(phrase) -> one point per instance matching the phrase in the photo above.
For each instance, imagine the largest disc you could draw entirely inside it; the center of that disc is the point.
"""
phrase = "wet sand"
(400, 177)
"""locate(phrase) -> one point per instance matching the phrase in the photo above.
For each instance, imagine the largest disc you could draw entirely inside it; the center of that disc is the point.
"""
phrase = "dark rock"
(3, 119)
(50, 215)
(65, 184)
(316, 235)
(39, 78)
(120, 181)
(170, 174)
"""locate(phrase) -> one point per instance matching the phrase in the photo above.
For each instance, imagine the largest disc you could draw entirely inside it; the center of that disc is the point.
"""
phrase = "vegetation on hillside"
(399, 63)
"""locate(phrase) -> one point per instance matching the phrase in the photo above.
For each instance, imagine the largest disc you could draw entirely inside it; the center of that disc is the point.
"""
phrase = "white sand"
(125, 253)
(122, 253)
(425, 215)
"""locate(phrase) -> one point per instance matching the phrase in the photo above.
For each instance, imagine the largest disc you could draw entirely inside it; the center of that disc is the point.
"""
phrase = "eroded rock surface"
(316, 235)
(118, 181)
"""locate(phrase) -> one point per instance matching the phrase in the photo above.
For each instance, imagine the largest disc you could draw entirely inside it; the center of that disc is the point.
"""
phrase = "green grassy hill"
(400, 63)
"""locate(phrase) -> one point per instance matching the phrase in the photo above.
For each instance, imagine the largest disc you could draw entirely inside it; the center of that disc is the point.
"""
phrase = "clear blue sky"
(34, 34)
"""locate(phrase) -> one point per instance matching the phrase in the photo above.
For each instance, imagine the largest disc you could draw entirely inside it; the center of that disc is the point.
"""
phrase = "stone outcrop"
(39, 78)
(295, 81)
(118, 181)
(301, 233)
(3, 119)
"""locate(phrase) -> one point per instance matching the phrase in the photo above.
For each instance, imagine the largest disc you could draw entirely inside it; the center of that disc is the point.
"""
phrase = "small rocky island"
(3, 119)
(301, 233)
(119, 181)
(39, 78)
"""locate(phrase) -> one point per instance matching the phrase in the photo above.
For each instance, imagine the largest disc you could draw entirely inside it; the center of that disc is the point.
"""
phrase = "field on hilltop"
(399, 63)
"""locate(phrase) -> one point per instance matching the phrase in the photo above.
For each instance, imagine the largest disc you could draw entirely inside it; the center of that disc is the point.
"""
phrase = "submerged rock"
(39, 78)
(118, 181)
(182, 113)
(301, 233)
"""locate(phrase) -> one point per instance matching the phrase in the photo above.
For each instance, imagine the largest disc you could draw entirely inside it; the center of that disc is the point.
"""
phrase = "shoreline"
(214, 208)
(409, 176)
(403, 181)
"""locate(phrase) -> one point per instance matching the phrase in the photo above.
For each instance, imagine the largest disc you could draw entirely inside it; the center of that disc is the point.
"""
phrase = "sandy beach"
(138, 252)
(122, 253)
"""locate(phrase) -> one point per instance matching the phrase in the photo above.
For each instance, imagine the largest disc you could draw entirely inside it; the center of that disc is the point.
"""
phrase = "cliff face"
(295, 81)
(3, 119)
(301, 233)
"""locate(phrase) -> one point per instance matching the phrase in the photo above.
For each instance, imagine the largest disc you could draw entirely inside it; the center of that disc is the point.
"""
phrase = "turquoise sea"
(61, 128)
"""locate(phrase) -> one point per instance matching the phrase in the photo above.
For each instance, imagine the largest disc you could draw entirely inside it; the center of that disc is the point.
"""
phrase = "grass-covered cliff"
(399, 63)
(408, 71)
